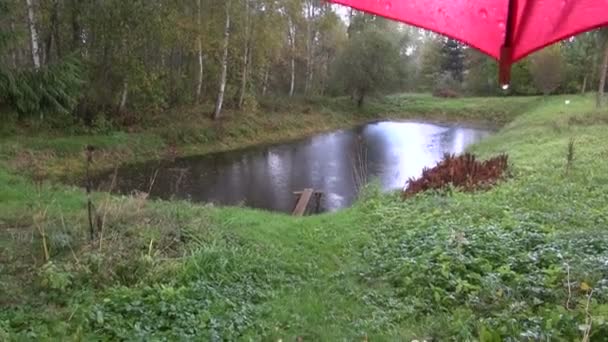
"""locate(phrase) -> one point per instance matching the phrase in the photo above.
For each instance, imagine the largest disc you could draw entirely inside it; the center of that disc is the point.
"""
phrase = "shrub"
(464, 172)
(446, 86)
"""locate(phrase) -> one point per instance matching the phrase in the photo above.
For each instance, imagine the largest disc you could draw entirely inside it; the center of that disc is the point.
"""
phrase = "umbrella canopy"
(507, 30)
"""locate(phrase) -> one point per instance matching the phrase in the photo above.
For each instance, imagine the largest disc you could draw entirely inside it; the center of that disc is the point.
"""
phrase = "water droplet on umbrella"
(501, 25)
(388, 5)
(483, 13)
(505, 87)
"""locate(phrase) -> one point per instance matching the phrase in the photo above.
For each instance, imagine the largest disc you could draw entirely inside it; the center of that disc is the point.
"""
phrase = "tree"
(199, 44)
(546, 69)
(369, 63)
(603, 38)
(31, 22)
(580, 62)
(452, 55)
(224, 66)
(480, 78)
(429, 63)
(291, 38)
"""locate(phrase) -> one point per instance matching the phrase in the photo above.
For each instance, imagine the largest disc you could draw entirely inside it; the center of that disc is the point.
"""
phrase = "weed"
(570, 155)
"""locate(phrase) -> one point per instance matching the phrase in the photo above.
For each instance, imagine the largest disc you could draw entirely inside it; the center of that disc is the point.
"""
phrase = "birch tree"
(291, 38)
(311, 34)
(199, 45)
(34, 44)
(224, 65)
(246, 54)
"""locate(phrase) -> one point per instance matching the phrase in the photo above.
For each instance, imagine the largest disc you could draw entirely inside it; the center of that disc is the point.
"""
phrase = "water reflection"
(265, 177)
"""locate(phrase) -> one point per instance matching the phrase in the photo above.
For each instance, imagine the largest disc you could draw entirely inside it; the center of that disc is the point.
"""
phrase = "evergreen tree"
(452, 53)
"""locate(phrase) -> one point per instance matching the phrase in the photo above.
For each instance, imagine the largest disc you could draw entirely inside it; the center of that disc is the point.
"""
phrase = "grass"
(523, 261)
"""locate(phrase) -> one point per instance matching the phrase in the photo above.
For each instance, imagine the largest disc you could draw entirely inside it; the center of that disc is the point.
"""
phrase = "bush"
(446, 86)
(464, 172)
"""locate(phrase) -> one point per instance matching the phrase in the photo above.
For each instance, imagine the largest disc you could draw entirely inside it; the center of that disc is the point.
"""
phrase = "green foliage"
(53, 278)
(446, 85)
(369, 63)
(52, 89)
(521, 79)
(452, 56)
(481, 78)
(546, 69)
(429, 60)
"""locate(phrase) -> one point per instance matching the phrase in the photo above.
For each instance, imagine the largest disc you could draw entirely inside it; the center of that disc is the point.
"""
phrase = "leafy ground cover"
(525, 260)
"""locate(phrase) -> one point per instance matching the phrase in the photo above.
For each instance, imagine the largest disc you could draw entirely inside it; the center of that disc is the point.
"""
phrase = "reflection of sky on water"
(265, 177)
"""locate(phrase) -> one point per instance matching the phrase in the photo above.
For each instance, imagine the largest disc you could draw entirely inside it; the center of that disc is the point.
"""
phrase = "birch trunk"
(603, 70)
(123, 98)
(224, 67)
(245, 58)
(266, 77)
(584, 87)
(293, 77)
(31, 21)
(292, 45)
(199, 43)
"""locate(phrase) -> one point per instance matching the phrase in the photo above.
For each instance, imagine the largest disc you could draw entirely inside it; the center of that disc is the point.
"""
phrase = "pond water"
(335, 163)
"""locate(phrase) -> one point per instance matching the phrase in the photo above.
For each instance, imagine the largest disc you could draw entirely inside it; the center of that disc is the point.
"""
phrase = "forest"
(297, 170)
(100, 63)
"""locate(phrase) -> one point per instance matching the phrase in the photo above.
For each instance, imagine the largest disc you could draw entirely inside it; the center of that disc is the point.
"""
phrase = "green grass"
(525, 260)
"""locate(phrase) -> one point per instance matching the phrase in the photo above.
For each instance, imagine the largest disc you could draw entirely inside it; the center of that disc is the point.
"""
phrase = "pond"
(336, 163)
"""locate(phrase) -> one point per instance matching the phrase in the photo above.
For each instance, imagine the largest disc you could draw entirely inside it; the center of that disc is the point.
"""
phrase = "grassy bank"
(189, 131)
(525, 260)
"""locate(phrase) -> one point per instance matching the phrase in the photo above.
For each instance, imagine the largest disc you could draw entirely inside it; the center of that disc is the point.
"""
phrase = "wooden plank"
(316, 192)
(303, 202)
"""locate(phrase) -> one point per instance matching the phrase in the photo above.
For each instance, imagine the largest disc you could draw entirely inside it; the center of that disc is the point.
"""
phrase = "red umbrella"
(507, 30)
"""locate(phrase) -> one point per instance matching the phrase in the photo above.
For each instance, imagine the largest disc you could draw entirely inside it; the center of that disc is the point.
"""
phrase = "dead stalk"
(569, 287)
(359, 161)
(106, 207)
(152, 181)
(588, 319)
(150, 247)
(42, 232)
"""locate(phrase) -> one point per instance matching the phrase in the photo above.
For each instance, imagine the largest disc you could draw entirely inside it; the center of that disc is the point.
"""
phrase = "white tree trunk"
(266, 77)
(199, 44)
(246, 52)
(224, 67)
(31, 21)
(293, 77)
(123, 97)
(603, 71)
(292, 45)
(584, 86)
